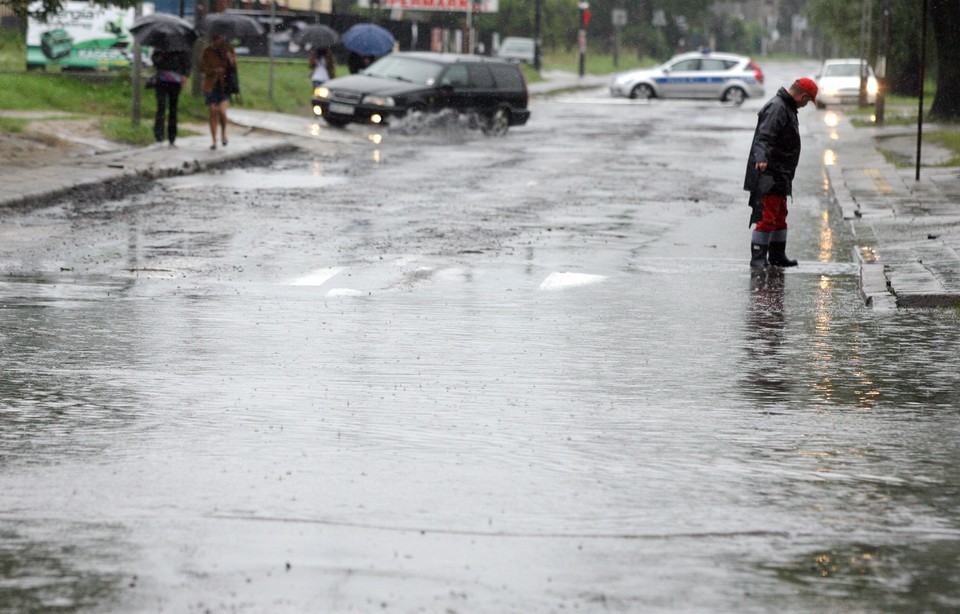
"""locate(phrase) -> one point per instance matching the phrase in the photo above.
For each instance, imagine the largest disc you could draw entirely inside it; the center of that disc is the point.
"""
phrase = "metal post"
(273, 15)
(537, 51)
(866, 34)
(469, 26)
(884, 44)
(616, 46)
(136, 76)
(582, 36)
(923, 62)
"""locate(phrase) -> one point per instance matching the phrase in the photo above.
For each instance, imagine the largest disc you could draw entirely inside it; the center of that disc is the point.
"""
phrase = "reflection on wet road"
(470, 377)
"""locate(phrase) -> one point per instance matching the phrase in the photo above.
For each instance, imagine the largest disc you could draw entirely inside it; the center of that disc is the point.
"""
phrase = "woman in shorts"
(216, 60)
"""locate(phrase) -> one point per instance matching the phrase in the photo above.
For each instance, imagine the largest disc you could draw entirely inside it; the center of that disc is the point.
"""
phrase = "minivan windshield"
(402, 68)
(842, 70)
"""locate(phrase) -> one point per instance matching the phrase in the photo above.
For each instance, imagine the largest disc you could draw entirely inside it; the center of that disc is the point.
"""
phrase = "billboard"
(83, 35)
(459, 6)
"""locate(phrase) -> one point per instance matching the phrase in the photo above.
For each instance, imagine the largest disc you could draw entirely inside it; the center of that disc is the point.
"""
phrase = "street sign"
(618, 17)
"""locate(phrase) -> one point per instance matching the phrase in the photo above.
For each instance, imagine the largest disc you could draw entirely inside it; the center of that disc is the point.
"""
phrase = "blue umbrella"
(368, 39)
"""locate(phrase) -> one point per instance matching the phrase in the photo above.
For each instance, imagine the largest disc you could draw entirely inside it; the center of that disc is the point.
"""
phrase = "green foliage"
(64, 92)
(124, 130)
(13, 124)
(13, 50)
(560, 25)
(291, 84)
(950, 139)
(838, 23)
(597, 63)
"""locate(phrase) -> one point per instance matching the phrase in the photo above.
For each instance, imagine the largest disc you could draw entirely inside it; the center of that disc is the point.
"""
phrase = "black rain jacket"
(776, 141)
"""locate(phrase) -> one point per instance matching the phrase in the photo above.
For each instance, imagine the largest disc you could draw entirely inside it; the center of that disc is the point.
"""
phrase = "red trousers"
(774, 213)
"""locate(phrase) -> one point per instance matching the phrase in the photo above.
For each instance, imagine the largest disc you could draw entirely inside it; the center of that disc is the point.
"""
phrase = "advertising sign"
(83, 35)
(460, 6)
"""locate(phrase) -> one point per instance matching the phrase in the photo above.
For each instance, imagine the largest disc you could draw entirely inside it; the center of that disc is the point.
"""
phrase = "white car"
(839, 82)
(516, 49)
(700, 74)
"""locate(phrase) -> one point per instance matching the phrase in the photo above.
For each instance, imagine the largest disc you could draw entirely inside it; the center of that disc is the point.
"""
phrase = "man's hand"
(760, 166)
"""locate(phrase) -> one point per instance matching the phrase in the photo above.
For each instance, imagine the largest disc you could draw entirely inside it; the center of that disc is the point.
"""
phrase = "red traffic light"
(585, 17)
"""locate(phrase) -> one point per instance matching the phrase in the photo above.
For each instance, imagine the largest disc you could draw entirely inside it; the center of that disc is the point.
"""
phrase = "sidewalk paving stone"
(907, 230)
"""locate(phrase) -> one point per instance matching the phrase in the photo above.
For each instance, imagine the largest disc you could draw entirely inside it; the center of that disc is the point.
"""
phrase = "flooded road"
(447, 373)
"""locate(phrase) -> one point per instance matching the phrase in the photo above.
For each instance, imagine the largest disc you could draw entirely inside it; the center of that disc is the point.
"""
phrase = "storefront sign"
(83, 35)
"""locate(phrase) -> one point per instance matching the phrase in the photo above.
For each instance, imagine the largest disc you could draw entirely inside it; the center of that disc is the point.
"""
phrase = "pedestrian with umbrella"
(323, 66)
(171, 38)
(218, 64)
(366, 42)
(319, 39)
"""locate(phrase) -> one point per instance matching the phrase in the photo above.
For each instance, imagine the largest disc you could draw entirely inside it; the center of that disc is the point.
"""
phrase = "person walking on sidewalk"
(216, 61)
(773, 160)
(172, 68)
(322, 66)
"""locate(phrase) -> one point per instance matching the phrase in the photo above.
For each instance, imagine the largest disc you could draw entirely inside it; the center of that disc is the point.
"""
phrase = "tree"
(45, 8)
(839, 23)
(945, 15)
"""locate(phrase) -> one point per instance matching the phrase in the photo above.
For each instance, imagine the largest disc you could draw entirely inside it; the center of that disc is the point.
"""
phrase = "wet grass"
(949, 139)
(13, 125)
(595, 63)
(902, 111)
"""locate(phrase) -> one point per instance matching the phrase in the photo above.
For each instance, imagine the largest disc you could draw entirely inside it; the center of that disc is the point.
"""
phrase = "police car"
(699, 74)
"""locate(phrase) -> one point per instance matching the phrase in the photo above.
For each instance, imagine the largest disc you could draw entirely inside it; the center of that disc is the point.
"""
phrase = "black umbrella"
(164, 31)
(230, 25)
(316, 36)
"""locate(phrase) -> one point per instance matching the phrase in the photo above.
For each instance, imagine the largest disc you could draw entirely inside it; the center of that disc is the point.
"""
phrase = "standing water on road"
(452, 373)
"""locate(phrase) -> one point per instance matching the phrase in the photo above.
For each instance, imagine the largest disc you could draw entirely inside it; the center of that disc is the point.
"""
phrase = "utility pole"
(537, 51)
(273, 17)
(883, 48)
(923, 76)
(136, 74)
(618, 18)
(866, 35)
(470, 29)
(582, 34)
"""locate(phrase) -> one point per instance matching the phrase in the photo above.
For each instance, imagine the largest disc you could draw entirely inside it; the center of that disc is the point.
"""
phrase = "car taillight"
(757, 73)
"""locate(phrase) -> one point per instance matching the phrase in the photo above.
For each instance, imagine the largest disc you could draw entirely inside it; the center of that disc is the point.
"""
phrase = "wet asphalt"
(438, 372)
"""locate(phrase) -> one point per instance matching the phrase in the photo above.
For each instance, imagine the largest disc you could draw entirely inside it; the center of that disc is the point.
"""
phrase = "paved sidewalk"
(907, 231)
(30, 185)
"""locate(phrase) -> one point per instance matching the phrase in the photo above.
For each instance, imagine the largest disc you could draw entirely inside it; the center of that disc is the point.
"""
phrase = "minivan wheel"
(641, 91)
(498, 124)
(735, 95)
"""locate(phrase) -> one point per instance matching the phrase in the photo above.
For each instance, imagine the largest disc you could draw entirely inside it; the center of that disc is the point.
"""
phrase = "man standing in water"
(774, 155)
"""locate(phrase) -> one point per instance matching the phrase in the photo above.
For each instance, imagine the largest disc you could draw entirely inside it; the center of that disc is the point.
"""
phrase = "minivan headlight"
(321, 92)
(378, 101)
(872, 86)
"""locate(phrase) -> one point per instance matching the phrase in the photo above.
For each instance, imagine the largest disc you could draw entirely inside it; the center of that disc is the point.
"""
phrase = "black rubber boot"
(778, 254)
(758, 255)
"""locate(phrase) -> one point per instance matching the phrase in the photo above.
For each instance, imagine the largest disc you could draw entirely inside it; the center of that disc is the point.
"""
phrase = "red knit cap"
(809, 86)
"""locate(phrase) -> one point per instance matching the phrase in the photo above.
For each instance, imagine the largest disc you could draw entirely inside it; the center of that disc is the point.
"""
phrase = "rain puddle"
(256, 179)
